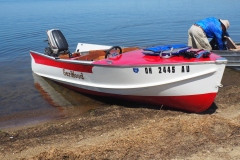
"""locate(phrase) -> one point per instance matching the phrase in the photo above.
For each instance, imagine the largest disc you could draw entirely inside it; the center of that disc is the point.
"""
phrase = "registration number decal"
(168, 69)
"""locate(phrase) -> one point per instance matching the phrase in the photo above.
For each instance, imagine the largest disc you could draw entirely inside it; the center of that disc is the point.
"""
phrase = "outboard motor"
(57, 43)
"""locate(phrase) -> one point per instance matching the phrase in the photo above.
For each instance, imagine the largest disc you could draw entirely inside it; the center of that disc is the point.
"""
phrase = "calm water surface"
(27, 99)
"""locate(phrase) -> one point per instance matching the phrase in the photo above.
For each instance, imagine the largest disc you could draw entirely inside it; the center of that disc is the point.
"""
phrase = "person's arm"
(218, 37)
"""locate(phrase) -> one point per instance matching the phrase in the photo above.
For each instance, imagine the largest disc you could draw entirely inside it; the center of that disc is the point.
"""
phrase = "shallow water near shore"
(27, 99)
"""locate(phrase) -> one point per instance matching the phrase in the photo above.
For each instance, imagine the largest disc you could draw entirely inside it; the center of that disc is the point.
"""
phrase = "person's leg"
(198, 39)
(190, 38)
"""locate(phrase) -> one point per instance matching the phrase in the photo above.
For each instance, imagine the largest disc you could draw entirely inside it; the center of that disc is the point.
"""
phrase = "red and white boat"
(177, 77)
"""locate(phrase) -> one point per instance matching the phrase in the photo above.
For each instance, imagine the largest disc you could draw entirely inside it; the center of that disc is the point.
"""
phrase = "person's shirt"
(212, 28)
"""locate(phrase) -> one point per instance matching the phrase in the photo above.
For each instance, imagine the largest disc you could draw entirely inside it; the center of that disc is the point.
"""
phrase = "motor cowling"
(57, 43)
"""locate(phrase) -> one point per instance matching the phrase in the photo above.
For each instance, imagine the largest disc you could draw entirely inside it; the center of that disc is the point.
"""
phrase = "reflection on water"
(64, 103)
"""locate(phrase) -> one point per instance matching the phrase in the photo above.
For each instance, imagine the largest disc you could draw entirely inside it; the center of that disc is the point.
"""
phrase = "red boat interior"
(93, 55)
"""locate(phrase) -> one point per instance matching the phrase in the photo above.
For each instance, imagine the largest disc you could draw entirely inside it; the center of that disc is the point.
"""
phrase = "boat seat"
(129, 49)
(66, 56)
(93, 55)
(230, 44)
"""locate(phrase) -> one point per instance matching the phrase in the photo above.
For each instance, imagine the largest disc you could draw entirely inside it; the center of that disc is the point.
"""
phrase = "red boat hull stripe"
(39, 59)
(190, 103)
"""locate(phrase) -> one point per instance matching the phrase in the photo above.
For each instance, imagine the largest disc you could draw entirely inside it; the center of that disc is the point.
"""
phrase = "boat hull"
(189, 103)
(188, 85)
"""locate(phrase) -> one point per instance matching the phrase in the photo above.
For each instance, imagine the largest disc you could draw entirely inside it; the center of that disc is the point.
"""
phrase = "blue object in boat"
(173, 49)
(204, 54)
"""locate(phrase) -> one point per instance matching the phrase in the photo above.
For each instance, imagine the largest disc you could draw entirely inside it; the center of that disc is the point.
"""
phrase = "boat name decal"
(165, 69)
(72, 74)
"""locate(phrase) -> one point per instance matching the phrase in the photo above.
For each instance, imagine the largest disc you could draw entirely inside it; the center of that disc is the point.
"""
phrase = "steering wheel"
(118, 50)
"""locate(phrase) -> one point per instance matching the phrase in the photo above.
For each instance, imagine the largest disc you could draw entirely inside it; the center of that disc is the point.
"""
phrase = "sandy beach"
(134, 131)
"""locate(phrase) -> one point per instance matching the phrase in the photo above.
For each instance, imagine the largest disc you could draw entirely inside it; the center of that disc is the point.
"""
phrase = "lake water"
(28, 99)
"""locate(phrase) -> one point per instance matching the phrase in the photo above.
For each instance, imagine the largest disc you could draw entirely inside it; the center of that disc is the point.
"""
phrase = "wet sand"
(135, 131)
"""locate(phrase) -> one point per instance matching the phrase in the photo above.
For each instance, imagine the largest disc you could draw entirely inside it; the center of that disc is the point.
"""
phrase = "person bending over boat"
(211, 27)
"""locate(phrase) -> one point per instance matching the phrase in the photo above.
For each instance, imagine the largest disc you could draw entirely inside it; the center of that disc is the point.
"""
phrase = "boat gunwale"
(220, 60)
